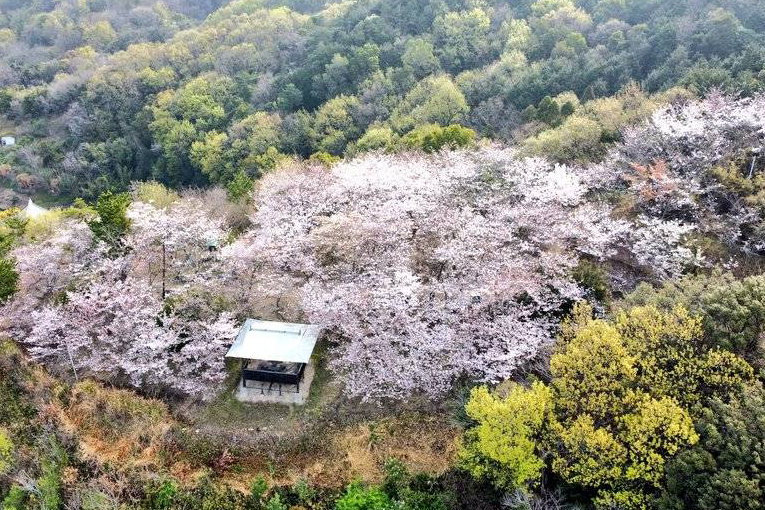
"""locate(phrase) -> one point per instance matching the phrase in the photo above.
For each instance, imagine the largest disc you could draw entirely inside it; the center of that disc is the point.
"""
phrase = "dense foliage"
(618, 411)
(101, 93)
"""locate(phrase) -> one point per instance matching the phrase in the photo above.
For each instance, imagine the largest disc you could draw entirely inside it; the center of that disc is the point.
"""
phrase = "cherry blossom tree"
(46, 268)
(683, 165)
(422, 269)
(117, 329)
(427, 269)
(171, 243)
(101, 316)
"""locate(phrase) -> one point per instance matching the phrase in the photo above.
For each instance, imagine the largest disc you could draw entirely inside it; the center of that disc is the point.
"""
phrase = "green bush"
(15, 500)
(9, 280)
(304, 492)
(111, 223)
(359, 497)
(258, 489)
(49, 484)
(726, 469)
(161, 497)
(6, 452)
(240, 186)
(452, 137)
(432, 138)
(594, 279)
(324, 158)
(377, 138)
(275, 503)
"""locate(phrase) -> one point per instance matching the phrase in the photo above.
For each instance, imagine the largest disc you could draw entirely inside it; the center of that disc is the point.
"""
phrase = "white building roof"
(33, 210)
(275, 341)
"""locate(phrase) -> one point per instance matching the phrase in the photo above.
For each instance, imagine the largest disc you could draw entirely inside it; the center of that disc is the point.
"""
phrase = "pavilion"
(276, 361)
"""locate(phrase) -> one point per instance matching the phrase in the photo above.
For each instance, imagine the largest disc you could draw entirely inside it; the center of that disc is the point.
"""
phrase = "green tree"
(182, 117)
(419, 58)
(211, 157)
(461, 39)
(434, 100)
(12, 226)
(364, 61)
(673, 360)
(731, 310)
(377, 138)
(734, 316)
(618, 408)
(9, 280)
(334, 126)
(548, 112)
(240, 186)
(290, 98)
(99, 34)
(111, 222)
(503, 446)
(613, 437)
(725, 470)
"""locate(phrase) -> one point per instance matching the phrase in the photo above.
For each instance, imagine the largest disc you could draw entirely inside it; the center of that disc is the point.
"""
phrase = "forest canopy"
(101, 93)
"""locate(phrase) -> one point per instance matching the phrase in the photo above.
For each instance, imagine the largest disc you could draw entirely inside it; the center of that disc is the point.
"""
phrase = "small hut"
(7, 140)
(33, 210)
(276, 361)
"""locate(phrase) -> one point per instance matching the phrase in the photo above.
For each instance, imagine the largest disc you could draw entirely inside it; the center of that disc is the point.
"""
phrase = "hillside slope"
(256, 80)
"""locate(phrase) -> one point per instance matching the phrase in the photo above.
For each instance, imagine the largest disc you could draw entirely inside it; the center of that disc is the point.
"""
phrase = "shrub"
(324, 158)
(432, 138)
(240, 186)
(359, 497)
(304, 492)
(6, 452)
(9, 280)
(155, 193)
(275, 503)
(725, 469)
(258, 489)
(377, 138)
(452, 137)
(49, 484)
(578, 138)
(15, 500)
(594, 279)
(161, 497)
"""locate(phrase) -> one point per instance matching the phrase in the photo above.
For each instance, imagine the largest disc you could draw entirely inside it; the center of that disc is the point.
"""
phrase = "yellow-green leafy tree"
(502, 447)
(618, 407)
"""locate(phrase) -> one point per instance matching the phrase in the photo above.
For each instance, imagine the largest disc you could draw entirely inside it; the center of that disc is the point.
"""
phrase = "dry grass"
(116, 426)
(423, 443)
(134, 435)
(128, 431)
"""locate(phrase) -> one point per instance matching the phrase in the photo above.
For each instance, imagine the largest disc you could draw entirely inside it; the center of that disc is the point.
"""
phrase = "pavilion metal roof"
(275, 341)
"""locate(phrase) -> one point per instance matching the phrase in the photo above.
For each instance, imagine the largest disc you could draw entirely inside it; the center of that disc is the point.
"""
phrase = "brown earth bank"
(329, 442)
